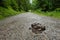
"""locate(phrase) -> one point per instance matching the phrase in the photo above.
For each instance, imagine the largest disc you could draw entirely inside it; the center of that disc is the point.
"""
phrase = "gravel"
(17, 27)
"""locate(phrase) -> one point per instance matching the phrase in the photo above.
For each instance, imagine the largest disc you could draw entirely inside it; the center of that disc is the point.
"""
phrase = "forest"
(44, 7)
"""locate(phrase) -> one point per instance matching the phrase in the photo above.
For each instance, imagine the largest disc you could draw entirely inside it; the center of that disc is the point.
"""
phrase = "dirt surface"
(17, 27)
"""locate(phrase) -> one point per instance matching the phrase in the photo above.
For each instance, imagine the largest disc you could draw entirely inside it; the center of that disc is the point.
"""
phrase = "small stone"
(37, 28)
(30, 28)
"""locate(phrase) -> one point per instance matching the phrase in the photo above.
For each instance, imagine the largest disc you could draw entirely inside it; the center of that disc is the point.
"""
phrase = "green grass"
(6, 12)
(55, 14)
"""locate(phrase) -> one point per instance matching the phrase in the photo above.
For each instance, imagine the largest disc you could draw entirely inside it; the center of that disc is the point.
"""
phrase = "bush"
(7, 12)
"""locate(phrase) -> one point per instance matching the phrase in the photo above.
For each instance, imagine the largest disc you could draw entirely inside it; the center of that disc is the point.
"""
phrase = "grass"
(55, 14)
(6, 12)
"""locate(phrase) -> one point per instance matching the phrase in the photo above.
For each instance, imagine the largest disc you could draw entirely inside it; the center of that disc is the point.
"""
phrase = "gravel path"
(17, 27)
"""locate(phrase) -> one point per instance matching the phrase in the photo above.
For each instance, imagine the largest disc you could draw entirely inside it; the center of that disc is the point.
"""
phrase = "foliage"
(11, 7)
(35, 5)
(7, 12)
(46, 5)
(55, 14)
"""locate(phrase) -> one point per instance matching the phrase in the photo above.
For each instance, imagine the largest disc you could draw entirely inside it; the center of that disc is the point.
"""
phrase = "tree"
(35, 4)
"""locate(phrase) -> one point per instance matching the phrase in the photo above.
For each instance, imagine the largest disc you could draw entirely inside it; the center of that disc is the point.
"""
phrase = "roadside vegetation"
(49, 8)
(42, 7)
(7, 12)
(12, 7)
(54, 14)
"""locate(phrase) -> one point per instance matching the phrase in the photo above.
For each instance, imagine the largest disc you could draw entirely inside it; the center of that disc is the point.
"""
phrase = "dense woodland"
(11, 7)
(15, 4)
